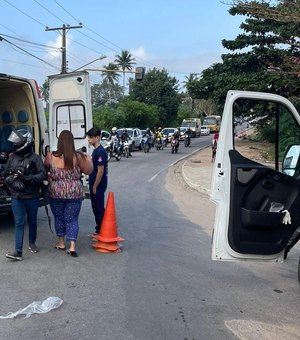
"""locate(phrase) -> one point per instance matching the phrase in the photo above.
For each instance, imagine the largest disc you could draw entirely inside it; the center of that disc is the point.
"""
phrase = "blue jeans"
(21, 208)
(66, 214)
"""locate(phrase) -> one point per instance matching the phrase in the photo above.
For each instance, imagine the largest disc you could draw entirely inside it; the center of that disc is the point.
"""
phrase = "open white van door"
(245, 190)
(70, 108)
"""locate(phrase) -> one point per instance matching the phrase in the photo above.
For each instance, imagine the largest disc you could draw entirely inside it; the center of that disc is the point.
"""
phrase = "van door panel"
(252, 228)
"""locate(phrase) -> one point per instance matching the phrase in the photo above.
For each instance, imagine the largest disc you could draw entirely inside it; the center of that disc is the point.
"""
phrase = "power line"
(64, 28)
(26, 52)
(46, 9)
(29, 42)
(24, 13)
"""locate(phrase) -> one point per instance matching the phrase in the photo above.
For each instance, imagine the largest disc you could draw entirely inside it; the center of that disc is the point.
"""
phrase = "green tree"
(158, 89)
(110, 77)
(260, 59)
(44, 89)
(101, 93)
(105, 117)
(138, 114)
(126, 61)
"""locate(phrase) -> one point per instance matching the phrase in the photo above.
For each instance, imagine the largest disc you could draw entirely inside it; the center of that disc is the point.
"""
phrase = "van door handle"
(268, 184)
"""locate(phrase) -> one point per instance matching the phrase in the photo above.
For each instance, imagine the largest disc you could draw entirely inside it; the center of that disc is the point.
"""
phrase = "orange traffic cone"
(108, 237)
(112, 246)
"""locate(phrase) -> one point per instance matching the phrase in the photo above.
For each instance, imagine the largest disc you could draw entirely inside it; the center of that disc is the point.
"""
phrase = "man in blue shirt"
(98, 178)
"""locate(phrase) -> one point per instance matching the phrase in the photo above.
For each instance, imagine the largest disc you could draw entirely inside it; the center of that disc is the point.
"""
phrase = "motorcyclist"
(149, 136)
(188, 133)
(176, 134)
(115, 139)
(158, 133)
(214, 146)
(114, 134)
(125, 138)
(24, 176)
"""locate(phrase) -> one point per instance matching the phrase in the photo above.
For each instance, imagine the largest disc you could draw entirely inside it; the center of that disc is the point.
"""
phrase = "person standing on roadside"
(98, 178)
(24, 177)
(214, 146)
(65, 166)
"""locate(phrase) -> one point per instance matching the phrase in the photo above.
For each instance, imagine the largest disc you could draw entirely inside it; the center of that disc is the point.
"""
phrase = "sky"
(180, 36)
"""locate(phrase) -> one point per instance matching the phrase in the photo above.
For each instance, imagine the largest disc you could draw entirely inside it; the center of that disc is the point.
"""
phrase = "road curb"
(188, 178)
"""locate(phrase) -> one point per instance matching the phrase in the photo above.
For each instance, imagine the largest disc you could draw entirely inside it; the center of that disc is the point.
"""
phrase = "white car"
(135, 136)
(168, 132)
(205, 130)
(245, 191)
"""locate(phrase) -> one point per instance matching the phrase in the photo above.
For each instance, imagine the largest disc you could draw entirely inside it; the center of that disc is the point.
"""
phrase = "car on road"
(169, 132)
(205, 130)
(182, 132)
(135, 136)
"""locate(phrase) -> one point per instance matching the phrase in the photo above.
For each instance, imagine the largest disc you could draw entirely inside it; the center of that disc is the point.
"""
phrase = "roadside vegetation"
(263, 57)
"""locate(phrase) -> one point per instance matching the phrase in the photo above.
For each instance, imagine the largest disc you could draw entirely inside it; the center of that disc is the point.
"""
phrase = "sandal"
(72, 253)
(59, 248)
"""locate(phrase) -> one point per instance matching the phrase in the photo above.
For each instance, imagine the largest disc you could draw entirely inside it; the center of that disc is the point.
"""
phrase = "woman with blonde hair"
(65, 167)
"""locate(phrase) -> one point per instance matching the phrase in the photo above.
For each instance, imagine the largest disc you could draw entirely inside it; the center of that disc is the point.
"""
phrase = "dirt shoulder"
(189, 181)
(192, 202)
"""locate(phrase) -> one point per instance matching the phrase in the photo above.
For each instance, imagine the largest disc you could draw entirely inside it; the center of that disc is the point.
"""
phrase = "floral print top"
(65, 183)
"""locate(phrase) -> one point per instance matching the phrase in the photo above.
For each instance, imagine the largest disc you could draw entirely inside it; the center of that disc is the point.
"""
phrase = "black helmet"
(21, 139)
(148, 130)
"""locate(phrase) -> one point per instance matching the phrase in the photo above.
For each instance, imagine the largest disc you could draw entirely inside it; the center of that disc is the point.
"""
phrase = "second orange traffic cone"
(109, 229)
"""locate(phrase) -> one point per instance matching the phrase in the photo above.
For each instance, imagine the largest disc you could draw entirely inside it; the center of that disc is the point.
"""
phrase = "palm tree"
(126, 62)
(188, 85)
(44, 89)
(110, 76)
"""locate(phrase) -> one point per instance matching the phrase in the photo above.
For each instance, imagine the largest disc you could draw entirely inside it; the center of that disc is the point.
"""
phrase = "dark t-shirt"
(99, 157)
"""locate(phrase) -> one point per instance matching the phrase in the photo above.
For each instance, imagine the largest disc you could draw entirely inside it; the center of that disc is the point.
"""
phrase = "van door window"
(72, 118)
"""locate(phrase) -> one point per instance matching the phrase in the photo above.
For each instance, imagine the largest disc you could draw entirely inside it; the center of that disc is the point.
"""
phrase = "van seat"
(23, 117)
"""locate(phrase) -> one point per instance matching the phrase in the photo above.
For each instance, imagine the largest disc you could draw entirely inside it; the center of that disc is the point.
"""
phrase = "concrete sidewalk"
(197, 170)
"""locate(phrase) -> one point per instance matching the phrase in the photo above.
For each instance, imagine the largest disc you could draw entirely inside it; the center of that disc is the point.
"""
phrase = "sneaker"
(15, 256)
(33, 248)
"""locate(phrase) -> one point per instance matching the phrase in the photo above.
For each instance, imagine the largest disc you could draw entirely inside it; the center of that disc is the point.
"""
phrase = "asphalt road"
(163, 285)
(144, 292)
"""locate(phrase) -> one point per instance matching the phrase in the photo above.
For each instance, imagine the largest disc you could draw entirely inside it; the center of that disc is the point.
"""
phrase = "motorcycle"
(159, 144)
(174, 145)
(165, 140)
(126, 149)
(146, 144)
(114, 149)
(187, 140)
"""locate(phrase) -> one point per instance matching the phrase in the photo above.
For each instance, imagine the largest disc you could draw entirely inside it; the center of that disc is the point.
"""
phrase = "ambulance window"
(72, 118)
(263, 130)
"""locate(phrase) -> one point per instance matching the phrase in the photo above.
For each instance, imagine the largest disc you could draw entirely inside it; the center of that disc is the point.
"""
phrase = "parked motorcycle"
(159, 144)
(174, 145)
(146, 144)
(187, 140)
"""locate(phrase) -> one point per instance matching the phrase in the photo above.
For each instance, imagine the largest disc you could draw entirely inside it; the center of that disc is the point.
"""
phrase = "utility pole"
(64, 29)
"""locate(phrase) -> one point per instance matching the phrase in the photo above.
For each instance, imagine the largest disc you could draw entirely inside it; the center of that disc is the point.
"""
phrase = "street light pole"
(100, 58)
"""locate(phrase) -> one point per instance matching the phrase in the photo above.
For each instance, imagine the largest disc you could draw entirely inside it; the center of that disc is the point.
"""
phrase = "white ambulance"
(21, 108)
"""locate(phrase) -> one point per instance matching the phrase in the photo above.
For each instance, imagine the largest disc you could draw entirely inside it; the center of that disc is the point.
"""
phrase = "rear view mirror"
(291, 161)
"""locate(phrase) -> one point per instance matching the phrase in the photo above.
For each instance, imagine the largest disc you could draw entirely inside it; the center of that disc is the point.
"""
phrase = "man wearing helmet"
(25, 173)
(125, 138)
